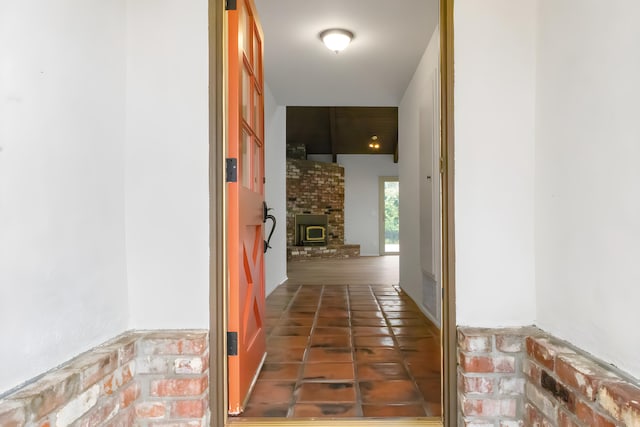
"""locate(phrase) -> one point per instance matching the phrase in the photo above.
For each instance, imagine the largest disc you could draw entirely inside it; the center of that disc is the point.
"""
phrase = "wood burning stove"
(311, 230)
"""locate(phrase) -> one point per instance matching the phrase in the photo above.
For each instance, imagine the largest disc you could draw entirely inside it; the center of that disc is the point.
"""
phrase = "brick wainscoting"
(144, 379)
(525, 377)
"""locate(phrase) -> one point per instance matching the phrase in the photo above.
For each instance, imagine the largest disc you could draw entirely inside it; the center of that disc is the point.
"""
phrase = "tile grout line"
(300, 381)
(292, 400)
(405, 364)
(356, 382)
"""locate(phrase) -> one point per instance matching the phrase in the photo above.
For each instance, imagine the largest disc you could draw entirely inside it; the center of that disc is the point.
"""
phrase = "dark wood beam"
(333, 134)
(395, 151)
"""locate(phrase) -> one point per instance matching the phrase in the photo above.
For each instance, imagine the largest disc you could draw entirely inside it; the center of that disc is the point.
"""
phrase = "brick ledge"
(301, 253)
(525, 376)
(138, 377)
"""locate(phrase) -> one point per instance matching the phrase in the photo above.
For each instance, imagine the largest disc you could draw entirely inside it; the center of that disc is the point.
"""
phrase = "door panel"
(245, 235)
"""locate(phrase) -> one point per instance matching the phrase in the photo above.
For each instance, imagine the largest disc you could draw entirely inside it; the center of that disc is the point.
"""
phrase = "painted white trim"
(278, 285)
(434, 317)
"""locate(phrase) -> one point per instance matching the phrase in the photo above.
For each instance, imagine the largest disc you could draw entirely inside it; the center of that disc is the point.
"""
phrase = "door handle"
(266, 216)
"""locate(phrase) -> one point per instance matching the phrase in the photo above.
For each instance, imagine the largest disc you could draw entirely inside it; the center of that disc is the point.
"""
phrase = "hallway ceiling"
(375, 70)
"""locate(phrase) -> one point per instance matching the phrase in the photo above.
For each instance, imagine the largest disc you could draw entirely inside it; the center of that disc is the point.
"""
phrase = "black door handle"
(266, 216)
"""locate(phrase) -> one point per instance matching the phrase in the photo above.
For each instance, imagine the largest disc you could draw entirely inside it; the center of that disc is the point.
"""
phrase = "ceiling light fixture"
(375, 144)
(336, 39)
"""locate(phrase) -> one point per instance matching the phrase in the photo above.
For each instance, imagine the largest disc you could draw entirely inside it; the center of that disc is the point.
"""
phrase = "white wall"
(62, 97)
(167, 163)
(275, 119)
(361, 198)
(416, 133)
(587, 176)
(495, 63)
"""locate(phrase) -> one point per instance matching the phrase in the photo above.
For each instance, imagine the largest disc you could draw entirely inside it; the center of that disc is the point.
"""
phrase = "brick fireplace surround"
(317, 188)
(506, 378)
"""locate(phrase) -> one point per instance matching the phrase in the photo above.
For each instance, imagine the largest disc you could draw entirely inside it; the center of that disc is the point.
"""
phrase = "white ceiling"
(375, 70)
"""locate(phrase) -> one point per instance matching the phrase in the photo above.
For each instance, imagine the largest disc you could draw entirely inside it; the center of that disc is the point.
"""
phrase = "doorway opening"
(389, 215)
(218, 292)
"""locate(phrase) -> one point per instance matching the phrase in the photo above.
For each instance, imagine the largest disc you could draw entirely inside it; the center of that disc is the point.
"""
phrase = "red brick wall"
(146, 379)
(567, 387)
(298, 151)
(525, 377)
(173, 373)
(316, 188)
(490, 379)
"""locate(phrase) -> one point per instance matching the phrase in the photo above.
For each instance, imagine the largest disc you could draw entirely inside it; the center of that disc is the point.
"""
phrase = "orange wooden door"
(245, 237)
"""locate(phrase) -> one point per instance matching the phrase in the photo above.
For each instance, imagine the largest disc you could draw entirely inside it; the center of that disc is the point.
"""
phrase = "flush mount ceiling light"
(336, 39)
(374, 142)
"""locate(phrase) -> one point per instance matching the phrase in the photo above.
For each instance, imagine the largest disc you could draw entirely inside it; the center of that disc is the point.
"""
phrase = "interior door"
(245, 197)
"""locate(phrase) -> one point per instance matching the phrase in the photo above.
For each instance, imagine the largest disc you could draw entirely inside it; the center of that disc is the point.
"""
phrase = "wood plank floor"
(373, 270)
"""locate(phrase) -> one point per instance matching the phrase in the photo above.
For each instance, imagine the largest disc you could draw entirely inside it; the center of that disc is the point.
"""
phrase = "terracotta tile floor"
(347, 351)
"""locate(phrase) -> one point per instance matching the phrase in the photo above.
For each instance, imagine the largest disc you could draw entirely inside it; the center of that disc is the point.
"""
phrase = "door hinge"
(442, 165)
(230, 5)
(232, 169)
(232, 343)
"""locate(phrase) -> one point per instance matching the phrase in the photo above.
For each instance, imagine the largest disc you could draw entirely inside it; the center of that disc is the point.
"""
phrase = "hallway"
(365, 270)
(356, 350)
